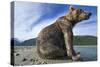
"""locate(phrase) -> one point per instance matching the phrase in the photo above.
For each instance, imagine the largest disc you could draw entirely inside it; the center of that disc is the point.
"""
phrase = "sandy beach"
(27, 55)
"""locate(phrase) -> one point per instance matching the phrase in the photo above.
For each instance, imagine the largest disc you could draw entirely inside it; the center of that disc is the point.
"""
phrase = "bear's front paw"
(76, 58)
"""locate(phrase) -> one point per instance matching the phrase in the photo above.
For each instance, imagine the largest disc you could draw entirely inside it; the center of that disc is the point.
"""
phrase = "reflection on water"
(88, 53)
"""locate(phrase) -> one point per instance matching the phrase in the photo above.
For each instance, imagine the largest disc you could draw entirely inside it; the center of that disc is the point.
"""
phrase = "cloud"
(25, 15)
(31, 18)
(25, 35)
(88, 27)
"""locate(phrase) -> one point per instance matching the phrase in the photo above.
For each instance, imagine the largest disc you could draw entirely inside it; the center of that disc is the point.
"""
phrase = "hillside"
(29, 42)
(85, 40)
(77, 40)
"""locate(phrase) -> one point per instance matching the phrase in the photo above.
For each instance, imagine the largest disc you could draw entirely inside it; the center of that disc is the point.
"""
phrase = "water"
(88, 53)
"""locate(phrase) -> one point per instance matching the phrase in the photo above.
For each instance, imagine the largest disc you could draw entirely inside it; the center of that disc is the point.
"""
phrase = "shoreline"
(73, 45)
(85, 45)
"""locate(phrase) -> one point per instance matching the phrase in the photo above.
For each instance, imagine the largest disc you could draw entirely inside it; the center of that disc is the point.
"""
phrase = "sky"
(30, 18)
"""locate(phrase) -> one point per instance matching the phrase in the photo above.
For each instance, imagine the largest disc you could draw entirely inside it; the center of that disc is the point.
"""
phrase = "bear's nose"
(90, 14)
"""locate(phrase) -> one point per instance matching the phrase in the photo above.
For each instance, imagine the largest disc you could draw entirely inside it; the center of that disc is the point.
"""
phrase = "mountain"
(77, 40)
(30, 42)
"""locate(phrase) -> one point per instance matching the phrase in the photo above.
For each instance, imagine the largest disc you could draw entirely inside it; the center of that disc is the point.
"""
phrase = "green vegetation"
(85, 40)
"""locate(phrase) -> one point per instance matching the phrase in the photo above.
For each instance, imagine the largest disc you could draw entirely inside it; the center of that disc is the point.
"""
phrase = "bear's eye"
(80, 10)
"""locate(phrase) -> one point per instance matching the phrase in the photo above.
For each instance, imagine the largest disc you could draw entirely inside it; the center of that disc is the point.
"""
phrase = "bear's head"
(77, 15)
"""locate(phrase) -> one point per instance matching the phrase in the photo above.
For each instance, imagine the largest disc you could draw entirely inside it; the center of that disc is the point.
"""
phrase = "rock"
(17, 54)
(24, 59)
(44, 62)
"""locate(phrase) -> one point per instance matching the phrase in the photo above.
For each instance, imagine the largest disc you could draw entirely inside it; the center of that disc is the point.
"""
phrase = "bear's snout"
(89, 14)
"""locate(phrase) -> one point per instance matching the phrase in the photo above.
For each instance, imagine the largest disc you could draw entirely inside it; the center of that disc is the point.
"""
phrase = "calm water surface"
(88, 53)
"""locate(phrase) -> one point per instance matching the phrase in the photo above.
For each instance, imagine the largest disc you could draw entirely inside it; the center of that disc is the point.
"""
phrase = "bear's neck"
(73, 22)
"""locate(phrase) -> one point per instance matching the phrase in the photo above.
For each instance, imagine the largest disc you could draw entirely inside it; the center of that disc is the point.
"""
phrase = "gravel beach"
(27, 55)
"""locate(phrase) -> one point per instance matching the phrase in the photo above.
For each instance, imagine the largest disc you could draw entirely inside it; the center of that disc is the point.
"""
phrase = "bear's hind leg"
(51, 52)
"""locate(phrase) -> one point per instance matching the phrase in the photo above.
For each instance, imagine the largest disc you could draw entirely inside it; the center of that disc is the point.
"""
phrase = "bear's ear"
(71, 8)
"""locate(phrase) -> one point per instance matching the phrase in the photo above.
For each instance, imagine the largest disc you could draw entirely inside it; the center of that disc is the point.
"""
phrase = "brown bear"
(56, 40)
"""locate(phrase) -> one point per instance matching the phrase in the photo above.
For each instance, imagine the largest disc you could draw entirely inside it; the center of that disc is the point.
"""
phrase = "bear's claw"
(77, 57)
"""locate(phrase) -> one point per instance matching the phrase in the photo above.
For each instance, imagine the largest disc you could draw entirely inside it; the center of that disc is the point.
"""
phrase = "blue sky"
(30, 18)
